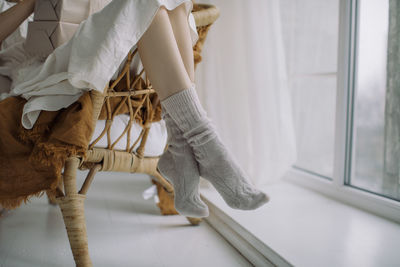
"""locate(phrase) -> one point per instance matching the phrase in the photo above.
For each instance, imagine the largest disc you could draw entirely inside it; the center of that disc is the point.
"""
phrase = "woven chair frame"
(134, 93)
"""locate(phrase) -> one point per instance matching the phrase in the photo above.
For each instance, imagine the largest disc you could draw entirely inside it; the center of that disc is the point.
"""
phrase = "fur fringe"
(14, 203)
(33, 135)
(44, 154)
(49, 154)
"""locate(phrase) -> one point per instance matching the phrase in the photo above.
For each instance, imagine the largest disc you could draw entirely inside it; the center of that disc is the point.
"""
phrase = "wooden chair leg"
(194, 221)
(72, 208)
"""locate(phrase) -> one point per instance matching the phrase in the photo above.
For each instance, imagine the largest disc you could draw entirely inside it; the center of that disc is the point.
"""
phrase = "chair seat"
(156, 139)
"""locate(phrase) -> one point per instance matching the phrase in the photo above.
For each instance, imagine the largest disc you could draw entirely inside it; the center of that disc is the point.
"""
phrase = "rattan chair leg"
(72, 208)
(194, 221)
(159, 178)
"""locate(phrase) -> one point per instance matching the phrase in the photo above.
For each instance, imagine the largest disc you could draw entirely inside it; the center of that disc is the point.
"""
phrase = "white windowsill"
(303, 228)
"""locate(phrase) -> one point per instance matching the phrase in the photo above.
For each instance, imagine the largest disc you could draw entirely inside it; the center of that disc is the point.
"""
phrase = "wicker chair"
(137, 94)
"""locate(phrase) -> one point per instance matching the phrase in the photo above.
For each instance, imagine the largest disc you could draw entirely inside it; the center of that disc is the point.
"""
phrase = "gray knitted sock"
(178, 165)
(215, 162)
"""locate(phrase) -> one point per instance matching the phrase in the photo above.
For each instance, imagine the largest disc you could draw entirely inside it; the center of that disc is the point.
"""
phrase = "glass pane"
(310, 31)
(371, 169)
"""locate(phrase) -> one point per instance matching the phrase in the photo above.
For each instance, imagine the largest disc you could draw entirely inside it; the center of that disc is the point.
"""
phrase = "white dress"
(88, 61)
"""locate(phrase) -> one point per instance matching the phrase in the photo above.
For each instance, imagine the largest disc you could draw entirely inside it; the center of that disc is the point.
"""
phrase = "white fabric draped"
(242, 83)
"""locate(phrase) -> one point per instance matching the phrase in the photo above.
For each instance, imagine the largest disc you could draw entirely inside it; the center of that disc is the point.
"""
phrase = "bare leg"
(179, 22)
(161, 57)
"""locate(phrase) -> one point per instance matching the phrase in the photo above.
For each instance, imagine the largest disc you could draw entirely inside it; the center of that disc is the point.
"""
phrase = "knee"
(161, 13)
(162, 10)
(178, 11)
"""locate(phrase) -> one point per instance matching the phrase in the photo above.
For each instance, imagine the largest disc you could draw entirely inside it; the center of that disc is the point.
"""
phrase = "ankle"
(184, 108)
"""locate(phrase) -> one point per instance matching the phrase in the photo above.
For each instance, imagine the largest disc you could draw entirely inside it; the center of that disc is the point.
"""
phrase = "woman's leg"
(162, 60)
(215, 161)
(180, 26)
(161, 57)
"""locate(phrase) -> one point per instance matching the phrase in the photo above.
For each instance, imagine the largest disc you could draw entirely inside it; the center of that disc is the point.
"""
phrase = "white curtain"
(242, 83)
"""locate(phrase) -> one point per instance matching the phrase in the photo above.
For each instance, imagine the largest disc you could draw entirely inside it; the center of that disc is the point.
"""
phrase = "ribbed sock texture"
(181, 103)
(215, 162)
(179, 167)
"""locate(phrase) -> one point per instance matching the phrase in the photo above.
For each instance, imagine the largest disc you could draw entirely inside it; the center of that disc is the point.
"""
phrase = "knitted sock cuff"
(184, 108)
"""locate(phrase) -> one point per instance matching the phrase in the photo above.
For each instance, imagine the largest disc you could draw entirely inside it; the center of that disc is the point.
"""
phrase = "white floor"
(123, 230)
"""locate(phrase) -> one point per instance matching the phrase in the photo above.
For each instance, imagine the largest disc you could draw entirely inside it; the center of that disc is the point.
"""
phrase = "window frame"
(339, 188)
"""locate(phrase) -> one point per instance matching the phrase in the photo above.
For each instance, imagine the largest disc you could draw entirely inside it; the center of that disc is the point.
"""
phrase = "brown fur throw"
(31, 161)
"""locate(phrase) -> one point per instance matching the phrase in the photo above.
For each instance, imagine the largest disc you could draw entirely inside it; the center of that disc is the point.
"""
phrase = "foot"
(217, 165)
(179, 167)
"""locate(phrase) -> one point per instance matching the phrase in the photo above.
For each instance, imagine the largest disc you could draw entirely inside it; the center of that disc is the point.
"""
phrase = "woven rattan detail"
(131, 95)
(134, 95)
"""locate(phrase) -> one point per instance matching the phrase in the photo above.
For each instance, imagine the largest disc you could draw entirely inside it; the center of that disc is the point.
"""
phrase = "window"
(375, 161)
(347, 112)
